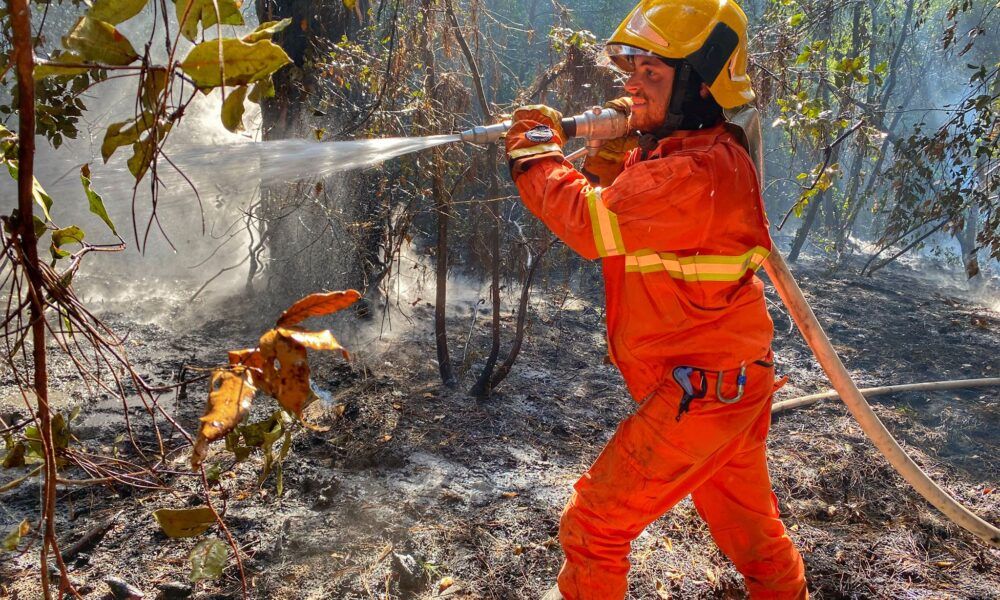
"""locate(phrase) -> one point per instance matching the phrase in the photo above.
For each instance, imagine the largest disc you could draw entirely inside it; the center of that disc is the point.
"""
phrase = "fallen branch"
(92, 538)
(930, 386)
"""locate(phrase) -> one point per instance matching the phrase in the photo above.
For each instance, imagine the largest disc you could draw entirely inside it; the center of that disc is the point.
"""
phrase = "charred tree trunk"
(442, 203)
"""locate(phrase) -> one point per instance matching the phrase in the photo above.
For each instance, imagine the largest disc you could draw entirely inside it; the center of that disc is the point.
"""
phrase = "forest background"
(880, 124)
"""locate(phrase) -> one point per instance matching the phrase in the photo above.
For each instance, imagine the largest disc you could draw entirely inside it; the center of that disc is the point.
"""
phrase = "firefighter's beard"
(648, 115)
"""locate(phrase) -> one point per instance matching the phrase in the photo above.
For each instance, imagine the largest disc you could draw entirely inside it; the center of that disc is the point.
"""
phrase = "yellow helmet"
(711, 35)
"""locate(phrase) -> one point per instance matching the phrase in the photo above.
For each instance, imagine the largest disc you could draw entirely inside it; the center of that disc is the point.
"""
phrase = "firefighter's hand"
(536, 132)
(602, 168)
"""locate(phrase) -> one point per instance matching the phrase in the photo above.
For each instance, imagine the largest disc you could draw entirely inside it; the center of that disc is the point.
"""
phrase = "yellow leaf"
(315, 305)
(228, 403)
(115, 11)
(232, 109)
(205, 11)
(243, 63)
(184, 522)
(99, 42)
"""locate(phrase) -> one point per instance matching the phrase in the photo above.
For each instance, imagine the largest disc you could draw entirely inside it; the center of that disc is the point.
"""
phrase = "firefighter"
(678, 222)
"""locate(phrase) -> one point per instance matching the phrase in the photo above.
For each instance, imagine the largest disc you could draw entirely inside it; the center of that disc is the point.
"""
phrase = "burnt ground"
(414, 484)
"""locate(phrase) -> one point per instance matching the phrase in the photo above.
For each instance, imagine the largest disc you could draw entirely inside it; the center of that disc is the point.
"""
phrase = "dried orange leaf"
(315, 305)
(229, 400)
(249, 356)
(445, 583)
(286, 371)
(316, 340)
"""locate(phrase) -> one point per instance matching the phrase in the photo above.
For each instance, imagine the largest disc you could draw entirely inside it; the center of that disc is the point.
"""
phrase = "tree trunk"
(309, 246)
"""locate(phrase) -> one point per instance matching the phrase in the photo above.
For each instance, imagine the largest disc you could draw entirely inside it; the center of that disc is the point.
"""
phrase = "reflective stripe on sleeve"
(607, 234)
(702, 267)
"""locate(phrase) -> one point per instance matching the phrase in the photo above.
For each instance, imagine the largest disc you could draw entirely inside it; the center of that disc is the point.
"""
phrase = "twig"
(827, 155)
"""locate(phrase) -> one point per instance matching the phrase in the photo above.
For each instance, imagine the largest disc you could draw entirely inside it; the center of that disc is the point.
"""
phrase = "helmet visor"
(623, 56)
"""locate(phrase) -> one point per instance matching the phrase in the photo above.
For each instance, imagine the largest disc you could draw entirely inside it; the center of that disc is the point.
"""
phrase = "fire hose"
(928, 386)
(597, 125)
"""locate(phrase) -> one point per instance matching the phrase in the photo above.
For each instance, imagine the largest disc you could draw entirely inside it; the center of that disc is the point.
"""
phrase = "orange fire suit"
(681, 233)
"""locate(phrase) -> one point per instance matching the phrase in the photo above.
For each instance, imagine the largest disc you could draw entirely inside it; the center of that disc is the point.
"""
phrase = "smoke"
(167, 265)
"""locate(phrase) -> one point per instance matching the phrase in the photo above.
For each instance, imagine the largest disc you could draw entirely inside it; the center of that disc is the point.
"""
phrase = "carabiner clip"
(741, 380)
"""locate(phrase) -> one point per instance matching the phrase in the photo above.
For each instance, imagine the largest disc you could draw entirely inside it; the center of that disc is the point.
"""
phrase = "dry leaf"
(286, 372)
(184, 522)
(445, 583)
(250, 357)
(668, 544)
(509, 495)
(315, 305)
(661, 590)
(315, 340)
(710, 574)
(518, 550)
(229, 398)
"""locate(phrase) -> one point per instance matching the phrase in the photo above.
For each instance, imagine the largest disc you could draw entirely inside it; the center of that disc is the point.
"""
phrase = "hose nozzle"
(595, 124)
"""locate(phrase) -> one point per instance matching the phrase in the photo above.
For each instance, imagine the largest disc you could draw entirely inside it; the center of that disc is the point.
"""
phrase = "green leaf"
(208, 559)
(99, 42)
(232, 109)
(142, 157)
(204, 11)
(184, 522)
(244, 63)
(115, 11)
(66, 235)
(14, 537)
(42, 199)
(53, 70)
(796, 19)
(96, 202)
(266, 30)
(124, 133)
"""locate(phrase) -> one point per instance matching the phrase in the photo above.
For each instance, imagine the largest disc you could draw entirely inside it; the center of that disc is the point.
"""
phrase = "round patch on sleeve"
(540, 134)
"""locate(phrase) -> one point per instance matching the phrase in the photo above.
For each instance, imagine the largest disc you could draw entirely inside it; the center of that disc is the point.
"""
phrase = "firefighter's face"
(649, 85)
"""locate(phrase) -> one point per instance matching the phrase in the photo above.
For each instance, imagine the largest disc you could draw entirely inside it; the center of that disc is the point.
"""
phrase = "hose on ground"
(927, 386)
(820, 344)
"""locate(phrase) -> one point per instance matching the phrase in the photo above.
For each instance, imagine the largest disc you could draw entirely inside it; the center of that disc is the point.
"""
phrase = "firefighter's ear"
(704, 92)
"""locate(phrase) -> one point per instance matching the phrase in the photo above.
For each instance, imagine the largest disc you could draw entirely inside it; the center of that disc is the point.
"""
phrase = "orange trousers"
(716, 453)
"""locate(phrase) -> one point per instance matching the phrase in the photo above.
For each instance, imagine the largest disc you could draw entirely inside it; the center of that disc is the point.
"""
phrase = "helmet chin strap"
(650, 139)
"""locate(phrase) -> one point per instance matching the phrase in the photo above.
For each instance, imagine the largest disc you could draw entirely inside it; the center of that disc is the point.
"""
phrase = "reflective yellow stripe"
(607, 234)
(702, 267)
(521, 152)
